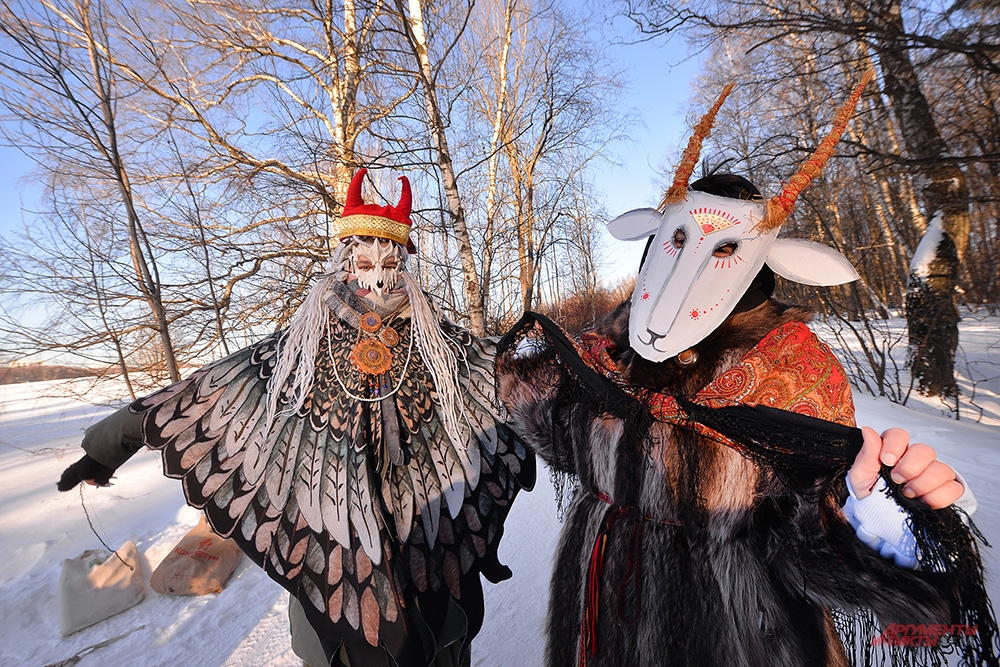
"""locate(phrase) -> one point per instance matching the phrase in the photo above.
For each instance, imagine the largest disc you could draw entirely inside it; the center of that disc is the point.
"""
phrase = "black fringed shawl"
(809, 453)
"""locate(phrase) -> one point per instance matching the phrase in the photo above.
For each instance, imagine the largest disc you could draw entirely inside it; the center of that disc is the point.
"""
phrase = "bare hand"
(915, 467)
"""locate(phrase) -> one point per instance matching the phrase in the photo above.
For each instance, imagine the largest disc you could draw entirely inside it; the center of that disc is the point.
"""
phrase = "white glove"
(884, 526)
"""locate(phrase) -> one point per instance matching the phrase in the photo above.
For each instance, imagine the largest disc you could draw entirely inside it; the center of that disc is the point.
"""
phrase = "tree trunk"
(102, 310)
(345, 95)
(413, 22)
(526, 247)
(498, 122)
(931, 313)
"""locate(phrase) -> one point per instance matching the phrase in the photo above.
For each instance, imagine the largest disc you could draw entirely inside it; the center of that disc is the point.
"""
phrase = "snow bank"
(246, 624)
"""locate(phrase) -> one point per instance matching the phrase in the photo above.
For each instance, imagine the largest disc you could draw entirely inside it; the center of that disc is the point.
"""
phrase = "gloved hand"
(882, 524)
(85, 470)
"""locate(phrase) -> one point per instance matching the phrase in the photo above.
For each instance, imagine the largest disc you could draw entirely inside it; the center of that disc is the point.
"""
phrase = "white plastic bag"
(96, 585)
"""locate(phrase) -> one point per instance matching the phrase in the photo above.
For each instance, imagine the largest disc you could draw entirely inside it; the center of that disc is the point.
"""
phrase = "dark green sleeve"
(113, 440)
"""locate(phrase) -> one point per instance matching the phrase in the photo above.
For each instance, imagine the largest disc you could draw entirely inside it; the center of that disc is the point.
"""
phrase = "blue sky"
(16, 188)
(658, 89)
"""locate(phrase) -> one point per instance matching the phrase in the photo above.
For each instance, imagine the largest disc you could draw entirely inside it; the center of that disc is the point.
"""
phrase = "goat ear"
(634, 225)
(810, 263)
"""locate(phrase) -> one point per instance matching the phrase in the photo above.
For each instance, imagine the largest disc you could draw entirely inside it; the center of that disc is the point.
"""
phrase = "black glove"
(84, 470)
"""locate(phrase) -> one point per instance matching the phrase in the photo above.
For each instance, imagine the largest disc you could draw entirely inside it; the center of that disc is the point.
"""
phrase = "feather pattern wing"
(361, 506)
(356, 535)
(397, 488)
(459, 537)
(294, 434)
(276, 489)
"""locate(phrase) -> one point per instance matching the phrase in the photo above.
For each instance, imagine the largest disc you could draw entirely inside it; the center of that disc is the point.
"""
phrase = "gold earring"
(688, 357)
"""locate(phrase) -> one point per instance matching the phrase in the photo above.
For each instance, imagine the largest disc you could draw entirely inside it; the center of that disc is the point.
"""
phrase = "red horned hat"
(384, 222)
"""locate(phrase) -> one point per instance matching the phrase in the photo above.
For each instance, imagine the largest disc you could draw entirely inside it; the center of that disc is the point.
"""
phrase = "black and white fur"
(736, 568)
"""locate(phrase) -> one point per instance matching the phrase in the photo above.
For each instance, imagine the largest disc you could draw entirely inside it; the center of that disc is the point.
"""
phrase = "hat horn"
(405, 198)
(354, 198)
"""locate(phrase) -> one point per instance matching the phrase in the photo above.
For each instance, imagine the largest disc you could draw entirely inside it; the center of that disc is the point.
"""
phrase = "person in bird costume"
(356, 456)
(727, 511)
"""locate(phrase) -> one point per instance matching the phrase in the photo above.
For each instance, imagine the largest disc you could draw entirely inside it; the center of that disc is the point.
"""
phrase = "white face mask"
(704, 255)
(707, 249)
(376, 263)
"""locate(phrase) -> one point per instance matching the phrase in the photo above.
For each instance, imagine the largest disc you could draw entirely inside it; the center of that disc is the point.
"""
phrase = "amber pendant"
(371, 356)
(370, 322)
(389, 336)
(688, 357)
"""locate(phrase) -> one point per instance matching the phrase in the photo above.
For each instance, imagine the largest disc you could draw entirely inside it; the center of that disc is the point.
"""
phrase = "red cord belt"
(633, 572)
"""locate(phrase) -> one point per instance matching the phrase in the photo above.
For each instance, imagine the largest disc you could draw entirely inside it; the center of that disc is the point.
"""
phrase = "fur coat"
(679, 550)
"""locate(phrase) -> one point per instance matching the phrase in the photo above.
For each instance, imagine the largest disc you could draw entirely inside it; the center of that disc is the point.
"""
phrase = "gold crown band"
(374, 225)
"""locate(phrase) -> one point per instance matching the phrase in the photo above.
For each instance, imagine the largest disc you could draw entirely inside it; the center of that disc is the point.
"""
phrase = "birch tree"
(544, 90)
(492, 51)
(303, 66)
(61, 86)
(412, 17)
(279, 101)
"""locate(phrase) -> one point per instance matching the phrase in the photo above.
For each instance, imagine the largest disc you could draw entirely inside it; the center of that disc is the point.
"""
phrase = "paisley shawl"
(790, 357)
(364, 510)
(789, 372)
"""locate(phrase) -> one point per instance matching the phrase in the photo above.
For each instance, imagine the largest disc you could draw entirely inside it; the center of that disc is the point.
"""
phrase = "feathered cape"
(378, 553)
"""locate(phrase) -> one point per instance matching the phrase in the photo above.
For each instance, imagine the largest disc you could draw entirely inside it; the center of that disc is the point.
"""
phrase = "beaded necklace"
(371, 354)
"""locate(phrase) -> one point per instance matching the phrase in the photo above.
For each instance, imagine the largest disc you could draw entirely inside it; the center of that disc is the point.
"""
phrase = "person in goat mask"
(728, 512)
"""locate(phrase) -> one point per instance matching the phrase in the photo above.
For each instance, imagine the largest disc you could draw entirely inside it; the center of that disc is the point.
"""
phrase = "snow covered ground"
(40, 428)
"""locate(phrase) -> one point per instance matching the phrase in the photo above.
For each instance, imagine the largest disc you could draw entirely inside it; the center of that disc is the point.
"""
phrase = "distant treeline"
(18, 374)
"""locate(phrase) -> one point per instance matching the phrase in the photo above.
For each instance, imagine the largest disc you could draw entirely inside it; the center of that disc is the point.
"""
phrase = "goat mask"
(707, 249)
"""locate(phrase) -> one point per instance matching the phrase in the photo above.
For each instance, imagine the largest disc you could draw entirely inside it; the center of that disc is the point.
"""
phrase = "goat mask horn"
(779, 206)
(689, 159)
